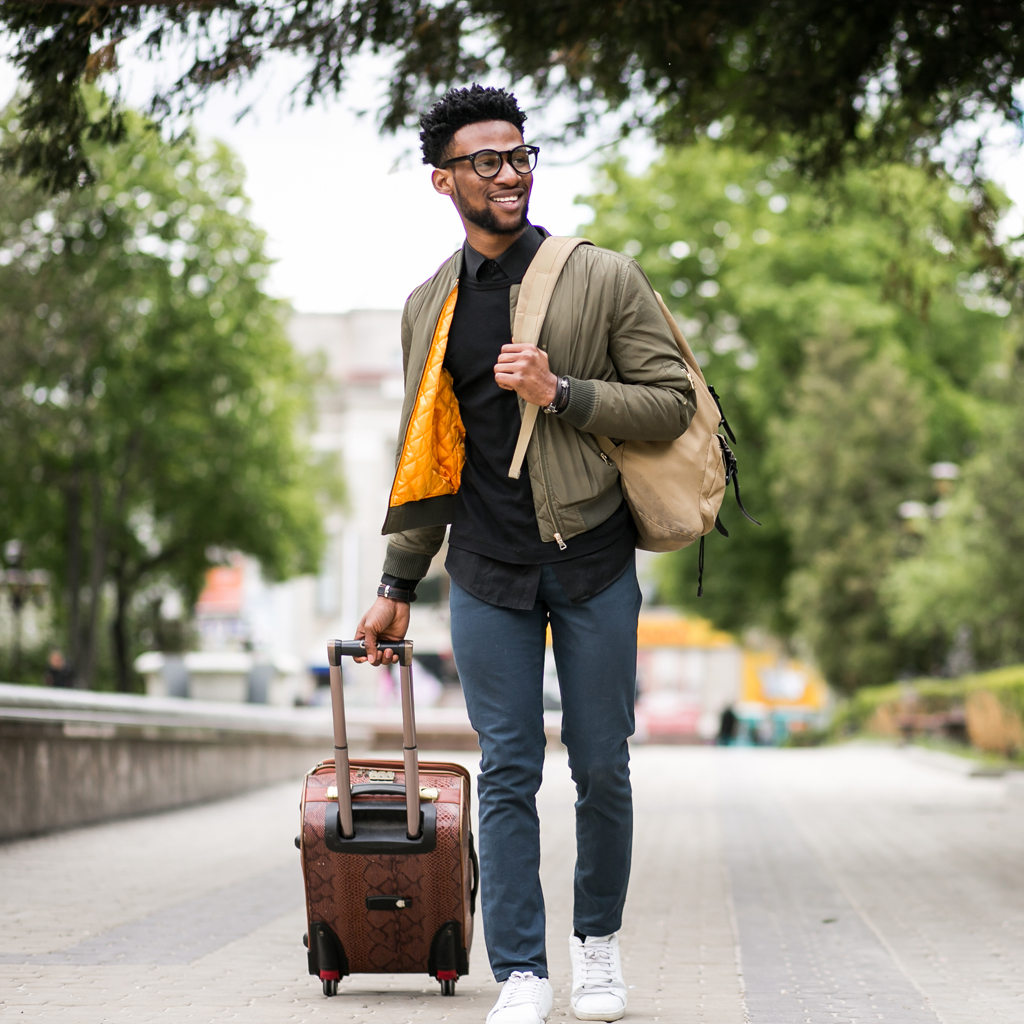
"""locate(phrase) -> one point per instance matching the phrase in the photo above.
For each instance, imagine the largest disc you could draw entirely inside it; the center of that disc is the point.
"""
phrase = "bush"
(986, 708)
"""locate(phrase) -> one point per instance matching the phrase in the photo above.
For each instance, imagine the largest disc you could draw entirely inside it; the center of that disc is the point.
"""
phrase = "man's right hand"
(386, 620)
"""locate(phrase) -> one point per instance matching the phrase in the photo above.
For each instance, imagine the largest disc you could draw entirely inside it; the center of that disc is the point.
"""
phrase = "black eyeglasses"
(487, 162)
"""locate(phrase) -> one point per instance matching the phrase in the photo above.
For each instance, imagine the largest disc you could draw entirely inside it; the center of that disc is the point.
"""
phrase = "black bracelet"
(395, 594)
(562, 398)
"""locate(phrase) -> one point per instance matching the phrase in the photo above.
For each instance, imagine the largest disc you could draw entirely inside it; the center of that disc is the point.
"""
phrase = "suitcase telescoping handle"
(336, 650)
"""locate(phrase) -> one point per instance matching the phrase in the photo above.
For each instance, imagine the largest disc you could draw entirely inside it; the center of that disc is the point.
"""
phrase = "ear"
(441, 179)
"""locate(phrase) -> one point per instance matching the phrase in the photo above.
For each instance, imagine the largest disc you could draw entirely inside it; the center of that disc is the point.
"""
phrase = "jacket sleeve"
(410, 552)
(653, 398)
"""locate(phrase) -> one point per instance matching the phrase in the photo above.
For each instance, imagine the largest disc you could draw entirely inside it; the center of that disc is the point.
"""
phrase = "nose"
(508, 176)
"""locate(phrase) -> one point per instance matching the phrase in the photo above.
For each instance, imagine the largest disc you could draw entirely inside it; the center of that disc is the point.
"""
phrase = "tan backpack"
(673, 488)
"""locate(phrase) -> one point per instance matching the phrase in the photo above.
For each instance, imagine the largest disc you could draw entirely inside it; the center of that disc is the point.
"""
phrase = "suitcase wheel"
(331, 986)
(447, 987)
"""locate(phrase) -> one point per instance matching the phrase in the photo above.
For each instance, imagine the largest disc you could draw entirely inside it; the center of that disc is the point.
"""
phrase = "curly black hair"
(459, 107)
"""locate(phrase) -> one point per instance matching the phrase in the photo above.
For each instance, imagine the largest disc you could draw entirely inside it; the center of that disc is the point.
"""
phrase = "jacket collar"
(514, 260)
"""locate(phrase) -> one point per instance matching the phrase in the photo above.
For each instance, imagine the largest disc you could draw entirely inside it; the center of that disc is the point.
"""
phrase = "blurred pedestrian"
(727, 728)
(57, 671)
(552, 546)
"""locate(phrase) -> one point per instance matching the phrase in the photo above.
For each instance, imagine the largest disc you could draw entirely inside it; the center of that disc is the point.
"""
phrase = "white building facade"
(358, 356)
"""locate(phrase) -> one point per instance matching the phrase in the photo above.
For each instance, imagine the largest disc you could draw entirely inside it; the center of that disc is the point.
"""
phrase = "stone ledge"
(71, 758)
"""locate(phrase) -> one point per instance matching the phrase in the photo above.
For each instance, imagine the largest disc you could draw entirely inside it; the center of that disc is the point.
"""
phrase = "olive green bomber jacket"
(604, 330)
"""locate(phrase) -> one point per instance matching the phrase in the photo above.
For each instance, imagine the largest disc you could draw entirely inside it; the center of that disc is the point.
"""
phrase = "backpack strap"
(532, 306)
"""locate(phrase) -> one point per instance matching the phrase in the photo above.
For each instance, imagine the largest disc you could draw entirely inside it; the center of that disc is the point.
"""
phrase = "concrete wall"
(70, 758)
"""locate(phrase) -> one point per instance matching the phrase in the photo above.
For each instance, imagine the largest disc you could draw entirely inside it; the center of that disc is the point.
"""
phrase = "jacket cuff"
(407, 565)
(582, 402)
(398, 582)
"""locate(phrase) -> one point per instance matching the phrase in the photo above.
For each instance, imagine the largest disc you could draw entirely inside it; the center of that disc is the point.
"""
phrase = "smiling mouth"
(505, 200)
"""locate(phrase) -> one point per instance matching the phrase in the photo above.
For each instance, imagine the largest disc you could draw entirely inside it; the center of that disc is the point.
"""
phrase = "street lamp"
(22, 586)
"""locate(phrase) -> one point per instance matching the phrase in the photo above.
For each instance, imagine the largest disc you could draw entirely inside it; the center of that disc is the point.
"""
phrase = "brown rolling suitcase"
(390, 884)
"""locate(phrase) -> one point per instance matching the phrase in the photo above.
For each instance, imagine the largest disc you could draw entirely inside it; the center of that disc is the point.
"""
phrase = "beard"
(486, 218)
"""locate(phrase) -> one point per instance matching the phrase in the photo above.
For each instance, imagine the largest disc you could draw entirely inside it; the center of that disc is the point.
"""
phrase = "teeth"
(506, 199)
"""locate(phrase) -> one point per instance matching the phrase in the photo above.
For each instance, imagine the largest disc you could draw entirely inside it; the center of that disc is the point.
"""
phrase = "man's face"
(497, 205)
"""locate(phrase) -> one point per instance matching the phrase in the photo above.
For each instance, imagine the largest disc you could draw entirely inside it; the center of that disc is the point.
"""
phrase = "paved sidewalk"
(842, 885)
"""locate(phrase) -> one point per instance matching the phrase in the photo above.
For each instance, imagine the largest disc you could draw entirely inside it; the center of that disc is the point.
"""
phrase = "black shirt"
(495, 551)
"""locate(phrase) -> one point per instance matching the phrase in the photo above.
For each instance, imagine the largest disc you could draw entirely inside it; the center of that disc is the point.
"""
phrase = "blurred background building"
(247, 625)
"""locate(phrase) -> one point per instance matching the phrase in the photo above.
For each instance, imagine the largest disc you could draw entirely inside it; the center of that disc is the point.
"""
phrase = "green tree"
(151, 406)
(965, 587)
(862, 77)
(851, 450)
(761, 270)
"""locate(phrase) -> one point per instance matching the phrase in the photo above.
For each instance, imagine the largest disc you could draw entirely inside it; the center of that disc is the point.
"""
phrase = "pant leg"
(499, 654)
(595, 653)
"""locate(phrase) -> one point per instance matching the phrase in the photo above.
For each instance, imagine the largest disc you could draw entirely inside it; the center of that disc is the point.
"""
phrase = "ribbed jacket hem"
(582, 402)
(406, 565)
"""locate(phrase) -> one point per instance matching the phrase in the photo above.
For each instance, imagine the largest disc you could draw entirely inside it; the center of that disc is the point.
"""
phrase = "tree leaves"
(849, 329)
(151, 405)
(854, 80)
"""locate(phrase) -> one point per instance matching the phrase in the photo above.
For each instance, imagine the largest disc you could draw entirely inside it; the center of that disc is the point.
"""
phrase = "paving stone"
(865, 884)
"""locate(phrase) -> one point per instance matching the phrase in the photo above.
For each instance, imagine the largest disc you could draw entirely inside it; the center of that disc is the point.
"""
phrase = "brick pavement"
(851, 884)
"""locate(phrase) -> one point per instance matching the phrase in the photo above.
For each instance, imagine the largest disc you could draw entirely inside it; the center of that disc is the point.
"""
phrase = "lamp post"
(21, 586)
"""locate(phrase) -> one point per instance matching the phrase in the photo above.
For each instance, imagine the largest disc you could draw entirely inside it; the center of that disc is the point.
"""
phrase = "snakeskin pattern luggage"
(390, 884)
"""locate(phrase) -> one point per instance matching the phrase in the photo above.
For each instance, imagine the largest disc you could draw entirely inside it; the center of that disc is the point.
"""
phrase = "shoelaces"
(598, 969)
(520, 988)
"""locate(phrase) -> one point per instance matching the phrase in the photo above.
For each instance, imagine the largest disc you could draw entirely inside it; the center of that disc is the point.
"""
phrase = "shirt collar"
(514, 260)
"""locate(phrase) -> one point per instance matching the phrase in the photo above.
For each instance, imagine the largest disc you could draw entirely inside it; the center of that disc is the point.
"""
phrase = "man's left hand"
(524, 370)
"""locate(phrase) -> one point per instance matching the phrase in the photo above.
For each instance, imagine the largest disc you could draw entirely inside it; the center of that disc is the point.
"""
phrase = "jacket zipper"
(547, 494)
(547, 489)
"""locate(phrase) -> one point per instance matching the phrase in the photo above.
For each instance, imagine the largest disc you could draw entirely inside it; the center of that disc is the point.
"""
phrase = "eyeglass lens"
(487, 163)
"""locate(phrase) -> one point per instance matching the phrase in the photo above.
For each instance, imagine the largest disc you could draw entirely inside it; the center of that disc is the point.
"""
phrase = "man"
(57, 672)
(553, 547)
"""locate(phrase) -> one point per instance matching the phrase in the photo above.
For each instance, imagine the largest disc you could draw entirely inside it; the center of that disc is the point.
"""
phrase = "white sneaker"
(598, 991)
(524, 999)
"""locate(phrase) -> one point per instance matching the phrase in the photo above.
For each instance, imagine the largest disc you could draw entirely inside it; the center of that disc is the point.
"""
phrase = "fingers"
(368, 632)
(361, 634)
(525, 355)
(380, 624)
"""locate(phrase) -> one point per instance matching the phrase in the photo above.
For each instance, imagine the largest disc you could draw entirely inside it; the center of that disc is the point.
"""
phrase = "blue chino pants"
(499, 653)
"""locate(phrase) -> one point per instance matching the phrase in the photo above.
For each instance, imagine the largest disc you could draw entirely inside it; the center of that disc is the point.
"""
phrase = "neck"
(489, 244)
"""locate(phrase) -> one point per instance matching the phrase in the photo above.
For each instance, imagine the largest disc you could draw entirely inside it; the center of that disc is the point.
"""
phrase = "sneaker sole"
(598, 1016)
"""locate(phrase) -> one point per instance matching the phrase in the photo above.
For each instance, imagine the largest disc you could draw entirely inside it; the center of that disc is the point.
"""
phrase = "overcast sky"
(351, 230)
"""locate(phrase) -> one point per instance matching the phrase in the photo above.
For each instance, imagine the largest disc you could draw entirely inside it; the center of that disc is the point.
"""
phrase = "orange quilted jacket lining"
(434, 450)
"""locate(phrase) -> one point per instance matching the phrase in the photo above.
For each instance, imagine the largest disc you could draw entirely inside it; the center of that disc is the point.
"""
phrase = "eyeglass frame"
(506, 157)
